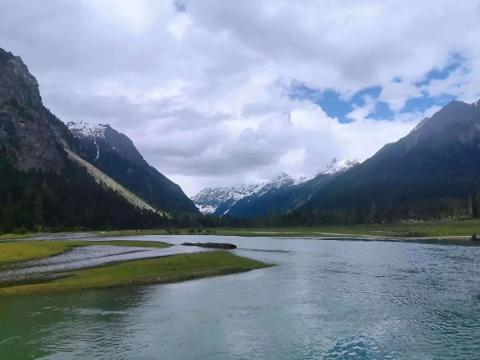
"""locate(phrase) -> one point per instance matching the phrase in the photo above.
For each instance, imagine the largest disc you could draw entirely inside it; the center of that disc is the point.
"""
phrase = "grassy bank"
(439, 229)
(15, 236)
(30, 250)
(13, 251)
(149, 271)
(445, 228)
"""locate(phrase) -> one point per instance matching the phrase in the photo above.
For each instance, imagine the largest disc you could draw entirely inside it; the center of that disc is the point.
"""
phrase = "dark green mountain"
(116, 155)
(433, 171)
(44, 181)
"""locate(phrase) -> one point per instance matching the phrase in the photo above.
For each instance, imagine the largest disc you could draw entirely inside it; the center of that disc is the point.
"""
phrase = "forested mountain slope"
(433, 171)
(41, 186)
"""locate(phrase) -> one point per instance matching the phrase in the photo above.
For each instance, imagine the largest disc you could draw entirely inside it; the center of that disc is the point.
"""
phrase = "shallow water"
(325, 299)
(84, 257)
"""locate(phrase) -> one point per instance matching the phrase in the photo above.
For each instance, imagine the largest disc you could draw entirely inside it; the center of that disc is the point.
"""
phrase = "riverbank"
(420, 230)
(442, 231)
(142, 272)
(158, 270)
(346, 291)
(25, 250)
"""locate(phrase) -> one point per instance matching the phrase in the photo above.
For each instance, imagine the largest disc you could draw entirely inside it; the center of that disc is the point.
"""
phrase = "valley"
(226, 180)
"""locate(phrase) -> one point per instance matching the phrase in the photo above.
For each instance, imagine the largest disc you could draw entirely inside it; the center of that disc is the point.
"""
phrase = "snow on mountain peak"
(209, 199)
(84, 129)
(221, 199)
(336, 166)
(281, 180)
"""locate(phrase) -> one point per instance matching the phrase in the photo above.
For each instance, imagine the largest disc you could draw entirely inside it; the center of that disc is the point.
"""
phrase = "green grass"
(444, 228)
(22, 250)
(403, 230)
(30, 250)
(15, 236)
(138, 272)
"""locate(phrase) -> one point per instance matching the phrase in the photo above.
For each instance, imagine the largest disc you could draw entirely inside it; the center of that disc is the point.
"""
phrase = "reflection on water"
(88, 321)
(325, 299)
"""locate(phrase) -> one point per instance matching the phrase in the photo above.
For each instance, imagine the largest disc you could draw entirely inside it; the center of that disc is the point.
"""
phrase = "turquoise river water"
(325, 299)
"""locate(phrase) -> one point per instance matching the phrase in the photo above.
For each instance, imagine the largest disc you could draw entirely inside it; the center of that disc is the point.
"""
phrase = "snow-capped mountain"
(84, 129)
(101, 140)
(220, 200)
(116, 155)
(282, 193)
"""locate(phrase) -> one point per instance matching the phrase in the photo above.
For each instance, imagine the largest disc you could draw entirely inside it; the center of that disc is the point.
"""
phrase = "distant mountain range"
(433, 172)
(279, 195)
(53, 179)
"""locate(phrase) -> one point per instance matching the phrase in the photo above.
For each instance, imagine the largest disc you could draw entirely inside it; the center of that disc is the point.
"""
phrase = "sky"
(222, 92)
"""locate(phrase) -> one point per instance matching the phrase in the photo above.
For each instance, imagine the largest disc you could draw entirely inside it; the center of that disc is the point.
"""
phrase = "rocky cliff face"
(28, 131)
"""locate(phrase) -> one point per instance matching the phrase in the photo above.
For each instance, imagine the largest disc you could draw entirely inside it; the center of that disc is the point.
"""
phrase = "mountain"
(279, 195)
(115, 154)
(270, 197)
(217, 201)
(45, 180)
(433, 171)
(220, 201)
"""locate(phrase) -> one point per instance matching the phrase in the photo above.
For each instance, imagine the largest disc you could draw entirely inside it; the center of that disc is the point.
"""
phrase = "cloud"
(209, 89)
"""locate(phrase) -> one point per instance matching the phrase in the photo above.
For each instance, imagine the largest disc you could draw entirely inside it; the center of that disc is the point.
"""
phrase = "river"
(325, 299)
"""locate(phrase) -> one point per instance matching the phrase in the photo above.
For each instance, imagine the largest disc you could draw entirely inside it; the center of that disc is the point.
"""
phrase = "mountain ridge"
(116, 155)
(430, 172)
(280, 194)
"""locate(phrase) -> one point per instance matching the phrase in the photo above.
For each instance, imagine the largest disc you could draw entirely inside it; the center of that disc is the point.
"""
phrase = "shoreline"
(152, 271)
(87, 237)
(108, 275)
(146, 270)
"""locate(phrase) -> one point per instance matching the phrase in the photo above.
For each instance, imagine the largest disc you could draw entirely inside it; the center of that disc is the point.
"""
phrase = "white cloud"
(204, 93)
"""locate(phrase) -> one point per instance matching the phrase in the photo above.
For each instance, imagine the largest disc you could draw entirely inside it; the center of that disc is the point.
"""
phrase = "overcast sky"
(220, 92)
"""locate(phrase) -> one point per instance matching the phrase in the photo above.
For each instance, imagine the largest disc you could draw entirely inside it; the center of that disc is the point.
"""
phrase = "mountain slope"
(40, 185)
(109, 183)
(433, 171)
(116, 155)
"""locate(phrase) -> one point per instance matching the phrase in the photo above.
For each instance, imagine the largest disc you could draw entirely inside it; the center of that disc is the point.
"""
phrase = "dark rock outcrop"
(28, 131)
(212, 245)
